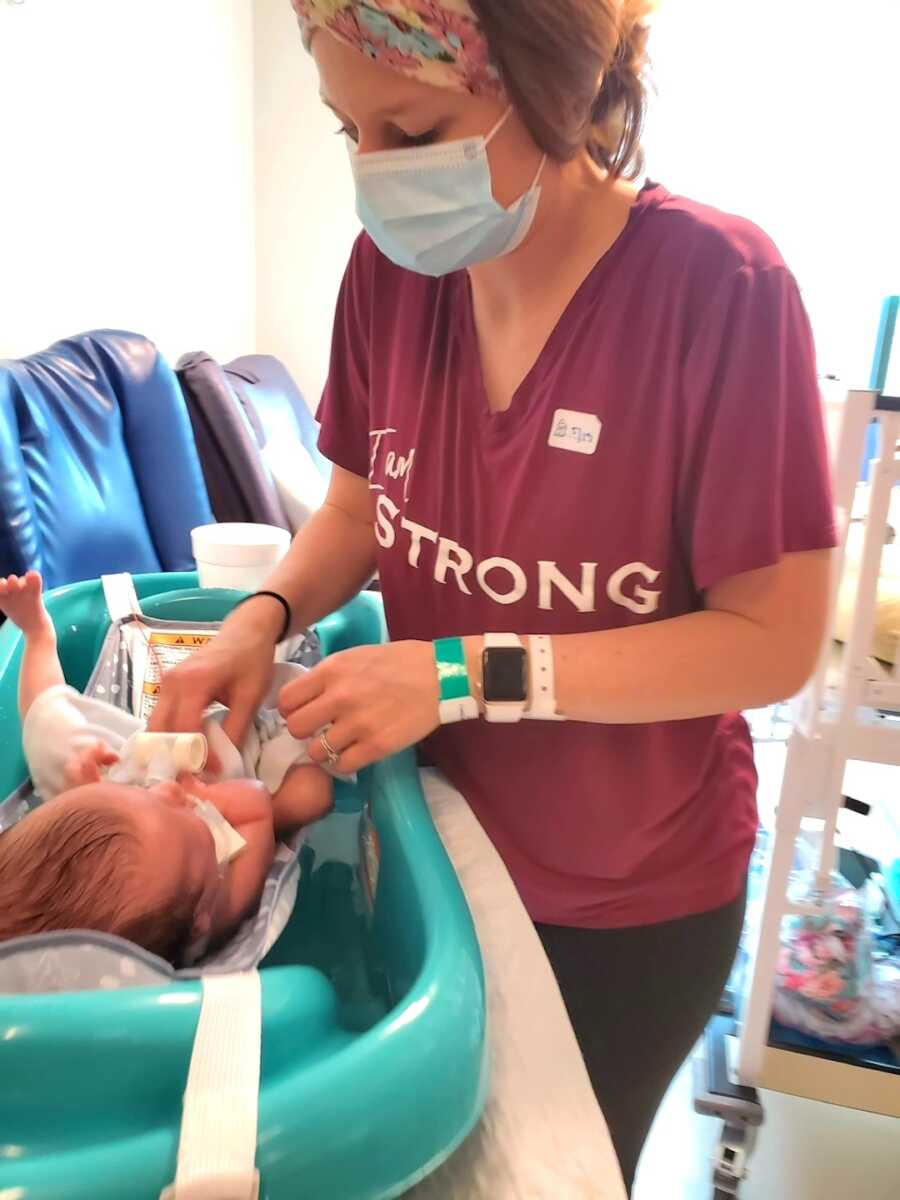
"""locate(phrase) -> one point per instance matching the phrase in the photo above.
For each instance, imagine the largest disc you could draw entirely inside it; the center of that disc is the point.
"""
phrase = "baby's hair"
(77, 869)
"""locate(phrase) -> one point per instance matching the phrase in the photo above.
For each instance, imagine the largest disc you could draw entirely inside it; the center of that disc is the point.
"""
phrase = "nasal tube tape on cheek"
(228, 841)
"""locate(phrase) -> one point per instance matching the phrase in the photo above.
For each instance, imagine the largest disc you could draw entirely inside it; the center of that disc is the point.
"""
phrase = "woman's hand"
(374, 701)
(235, 669)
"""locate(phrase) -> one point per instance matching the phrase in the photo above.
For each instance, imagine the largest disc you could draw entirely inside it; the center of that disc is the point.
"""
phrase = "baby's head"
(135, 862)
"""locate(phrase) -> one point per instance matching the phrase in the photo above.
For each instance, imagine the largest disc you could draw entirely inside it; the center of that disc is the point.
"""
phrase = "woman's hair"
(574, 69)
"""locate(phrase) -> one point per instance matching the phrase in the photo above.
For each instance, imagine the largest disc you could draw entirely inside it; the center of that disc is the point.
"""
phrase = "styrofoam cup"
(238, 555)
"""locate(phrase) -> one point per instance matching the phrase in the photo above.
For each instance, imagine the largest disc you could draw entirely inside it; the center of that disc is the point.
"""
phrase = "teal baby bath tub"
(374, 1046)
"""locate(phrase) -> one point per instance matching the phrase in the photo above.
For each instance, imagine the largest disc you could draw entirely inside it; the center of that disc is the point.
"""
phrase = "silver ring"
(330, 752)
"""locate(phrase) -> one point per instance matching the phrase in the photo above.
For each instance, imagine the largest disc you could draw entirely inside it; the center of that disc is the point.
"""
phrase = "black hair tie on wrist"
(288, 614)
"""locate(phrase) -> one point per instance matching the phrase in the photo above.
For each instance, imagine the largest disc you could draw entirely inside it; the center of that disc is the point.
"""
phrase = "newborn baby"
(148, 858)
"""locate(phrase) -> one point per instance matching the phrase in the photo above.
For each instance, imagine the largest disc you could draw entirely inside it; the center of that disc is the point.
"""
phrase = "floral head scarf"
(439, 42)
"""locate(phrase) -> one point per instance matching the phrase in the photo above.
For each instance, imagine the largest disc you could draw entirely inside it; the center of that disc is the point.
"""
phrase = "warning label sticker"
(166, 650)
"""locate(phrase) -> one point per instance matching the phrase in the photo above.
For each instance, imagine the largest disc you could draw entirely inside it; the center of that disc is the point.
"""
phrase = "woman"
(559, 405)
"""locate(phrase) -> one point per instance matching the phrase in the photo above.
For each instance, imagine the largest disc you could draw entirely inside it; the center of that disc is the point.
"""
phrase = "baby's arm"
(22, 602)
(54, 768)
(305, 795)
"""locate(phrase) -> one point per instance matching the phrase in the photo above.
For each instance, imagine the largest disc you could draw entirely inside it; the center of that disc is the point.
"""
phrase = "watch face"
(505, 675)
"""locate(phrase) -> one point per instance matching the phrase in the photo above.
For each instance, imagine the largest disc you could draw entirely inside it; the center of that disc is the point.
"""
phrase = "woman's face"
(382, 109)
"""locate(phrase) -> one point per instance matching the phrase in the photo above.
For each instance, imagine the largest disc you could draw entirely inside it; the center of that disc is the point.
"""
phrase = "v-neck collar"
(498, 423)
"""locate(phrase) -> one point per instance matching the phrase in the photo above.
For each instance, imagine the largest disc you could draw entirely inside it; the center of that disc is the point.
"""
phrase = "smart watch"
(504, 666)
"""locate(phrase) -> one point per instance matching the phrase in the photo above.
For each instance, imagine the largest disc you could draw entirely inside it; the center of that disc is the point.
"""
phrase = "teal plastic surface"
(374, 1050)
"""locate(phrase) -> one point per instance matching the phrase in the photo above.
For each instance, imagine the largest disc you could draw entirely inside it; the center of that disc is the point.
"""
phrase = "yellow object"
(886, 638)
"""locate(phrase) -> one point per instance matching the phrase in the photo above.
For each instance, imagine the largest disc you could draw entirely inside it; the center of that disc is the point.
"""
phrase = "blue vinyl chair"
(98, 467)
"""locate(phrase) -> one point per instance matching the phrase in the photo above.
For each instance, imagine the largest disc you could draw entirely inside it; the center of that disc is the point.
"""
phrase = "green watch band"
(453, 674)
(456, 700)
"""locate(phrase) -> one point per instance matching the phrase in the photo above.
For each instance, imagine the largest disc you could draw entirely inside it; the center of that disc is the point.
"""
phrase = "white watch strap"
(465, 709)
(503, 712)
(502, 639)
(543, 680)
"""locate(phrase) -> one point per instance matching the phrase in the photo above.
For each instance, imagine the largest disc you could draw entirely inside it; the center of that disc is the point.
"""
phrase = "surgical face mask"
(431, 209)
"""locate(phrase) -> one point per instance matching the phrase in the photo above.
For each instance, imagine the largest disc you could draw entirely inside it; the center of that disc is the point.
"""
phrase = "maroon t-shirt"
(668, 436)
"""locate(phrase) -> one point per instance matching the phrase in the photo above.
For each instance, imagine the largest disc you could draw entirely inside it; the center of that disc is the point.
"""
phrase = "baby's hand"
(87, 765)
(21, 600)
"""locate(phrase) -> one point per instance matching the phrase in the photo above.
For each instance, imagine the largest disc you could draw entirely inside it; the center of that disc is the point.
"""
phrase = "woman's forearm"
(754, 644)
(692, 666)
(330, 559)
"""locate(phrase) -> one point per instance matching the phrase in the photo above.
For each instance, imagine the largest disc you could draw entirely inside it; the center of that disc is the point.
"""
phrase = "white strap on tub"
(121, 598)
(217, 1150)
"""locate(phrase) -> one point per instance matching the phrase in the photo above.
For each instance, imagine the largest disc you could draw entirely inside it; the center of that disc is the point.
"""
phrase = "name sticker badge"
(575, 431)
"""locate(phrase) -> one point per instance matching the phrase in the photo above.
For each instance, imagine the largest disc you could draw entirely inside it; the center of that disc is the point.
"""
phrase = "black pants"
(638, 1000)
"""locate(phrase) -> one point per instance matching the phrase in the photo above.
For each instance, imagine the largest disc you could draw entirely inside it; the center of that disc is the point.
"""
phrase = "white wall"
(132, 139)
(786, 111)
(305, 202)
(127, 172)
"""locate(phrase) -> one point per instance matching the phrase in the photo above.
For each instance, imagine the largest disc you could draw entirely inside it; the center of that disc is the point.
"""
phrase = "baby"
(142, 859)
